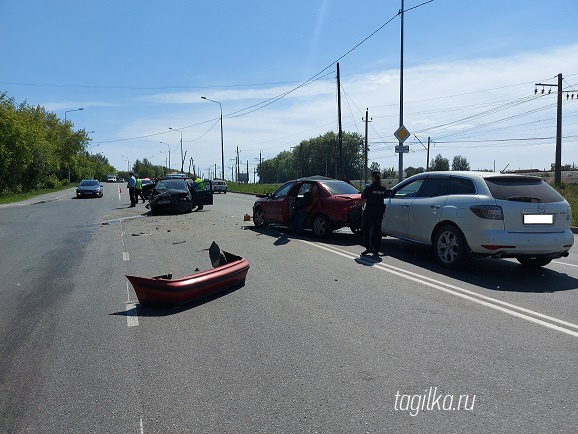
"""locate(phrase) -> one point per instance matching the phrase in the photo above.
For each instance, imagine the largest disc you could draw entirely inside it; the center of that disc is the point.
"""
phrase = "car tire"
(534, 262)
(449, 246)
(259, 218)
(321, 226)
(154, 210)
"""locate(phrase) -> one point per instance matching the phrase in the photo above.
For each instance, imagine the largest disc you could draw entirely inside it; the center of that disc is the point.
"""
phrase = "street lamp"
(163, 152)
(222, 147)
(182, 158)
(169, 150)
(68, 111)
(127, 163)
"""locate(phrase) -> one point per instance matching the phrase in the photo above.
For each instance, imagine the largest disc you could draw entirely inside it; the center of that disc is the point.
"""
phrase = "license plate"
(164, 202)
(538, 219)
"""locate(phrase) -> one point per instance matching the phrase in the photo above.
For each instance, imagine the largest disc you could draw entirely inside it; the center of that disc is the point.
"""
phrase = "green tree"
(316, 156)
(460, 163)
(389, 173)
(410, 171)
(439, 163)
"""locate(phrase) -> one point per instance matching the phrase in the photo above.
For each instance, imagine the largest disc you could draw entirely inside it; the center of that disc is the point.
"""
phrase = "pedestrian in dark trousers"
(374, 196)
(131, 189)
(138, 190)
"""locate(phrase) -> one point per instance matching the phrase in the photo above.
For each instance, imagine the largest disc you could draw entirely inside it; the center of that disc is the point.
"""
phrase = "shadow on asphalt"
(144, 310)
(499, 275)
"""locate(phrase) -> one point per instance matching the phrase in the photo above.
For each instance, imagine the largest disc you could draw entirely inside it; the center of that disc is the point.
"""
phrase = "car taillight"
(492, 212)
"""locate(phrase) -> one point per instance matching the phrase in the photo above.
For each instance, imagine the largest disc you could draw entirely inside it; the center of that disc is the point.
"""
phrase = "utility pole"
(260, 168)
(341, 175)
(400, 174)
(365, 150)
(427, 149)
(558, 160)
(247, 171)
(427, 162)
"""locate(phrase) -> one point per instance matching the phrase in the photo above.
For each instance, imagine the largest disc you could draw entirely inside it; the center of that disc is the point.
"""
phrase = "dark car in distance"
(89, 188)
(339, 205)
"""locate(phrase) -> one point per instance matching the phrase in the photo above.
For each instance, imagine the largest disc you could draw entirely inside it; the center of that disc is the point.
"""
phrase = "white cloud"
(434, 94)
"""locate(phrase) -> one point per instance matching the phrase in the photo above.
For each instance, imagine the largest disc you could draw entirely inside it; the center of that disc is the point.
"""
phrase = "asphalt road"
(318, 339)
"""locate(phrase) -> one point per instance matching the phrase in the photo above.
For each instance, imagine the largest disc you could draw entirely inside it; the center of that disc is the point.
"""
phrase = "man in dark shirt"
(374, 196)
(302, 209)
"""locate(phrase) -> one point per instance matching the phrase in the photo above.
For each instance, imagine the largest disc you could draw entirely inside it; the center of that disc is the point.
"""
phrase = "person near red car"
(374, 195)
(303, 209)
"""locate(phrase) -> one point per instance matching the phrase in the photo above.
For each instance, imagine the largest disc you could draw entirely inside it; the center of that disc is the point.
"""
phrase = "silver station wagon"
(468, 214)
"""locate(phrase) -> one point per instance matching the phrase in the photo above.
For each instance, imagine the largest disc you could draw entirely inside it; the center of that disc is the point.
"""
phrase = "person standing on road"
(374, 196)
(138, 190)
(303, 208)
(131, 188)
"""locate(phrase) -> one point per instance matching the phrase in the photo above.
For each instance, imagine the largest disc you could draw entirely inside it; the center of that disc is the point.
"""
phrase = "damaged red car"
(339, 205)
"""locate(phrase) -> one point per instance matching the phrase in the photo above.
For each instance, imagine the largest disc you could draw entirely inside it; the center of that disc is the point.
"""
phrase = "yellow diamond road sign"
(401, 134)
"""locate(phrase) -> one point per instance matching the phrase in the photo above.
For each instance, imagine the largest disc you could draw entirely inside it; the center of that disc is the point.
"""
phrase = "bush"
(53, 182)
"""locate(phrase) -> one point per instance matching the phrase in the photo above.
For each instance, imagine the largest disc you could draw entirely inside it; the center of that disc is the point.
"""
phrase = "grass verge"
(10, 198)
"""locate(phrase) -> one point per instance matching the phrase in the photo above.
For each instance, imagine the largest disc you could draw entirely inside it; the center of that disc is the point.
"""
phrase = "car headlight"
(492, 212)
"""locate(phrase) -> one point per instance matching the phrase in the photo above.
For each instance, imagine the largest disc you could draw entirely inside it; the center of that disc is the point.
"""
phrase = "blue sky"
(140, 67)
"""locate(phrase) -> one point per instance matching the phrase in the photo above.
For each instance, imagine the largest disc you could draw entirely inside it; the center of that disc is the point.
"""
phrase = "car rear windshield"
(522, 189)
(172, 184)
(340, 187)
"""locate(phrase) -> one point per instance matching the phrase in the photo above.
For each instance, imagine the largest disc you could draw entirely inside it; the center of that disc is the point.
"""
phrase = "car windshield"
(522, 189)
(88, 183)
(339, 187)
(171, 184)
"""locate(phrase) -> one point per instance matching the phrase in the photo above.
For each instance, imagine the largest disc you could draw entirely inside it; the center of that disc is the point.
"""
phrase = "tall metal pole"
(427, 162)
(340, 137)
(365, 150)
(558, 169)
(558, 159)
(222, 145)
(169, 151)
(400, 172)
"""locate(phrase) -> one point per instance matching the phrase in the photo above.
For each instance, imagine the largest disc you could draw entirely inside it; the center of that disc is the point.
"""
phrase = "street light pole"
(127, 163)
(74, 110)
(163, 152)
(169, 149)
(222, 146)
(182, 157)
(68, 111)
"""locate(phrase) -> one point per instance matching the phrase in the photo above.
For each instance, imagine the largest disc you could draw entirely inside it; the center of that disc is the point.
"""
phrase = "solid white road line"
(131, 315)
(565, 263)
(131, 310)
(490, 302)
